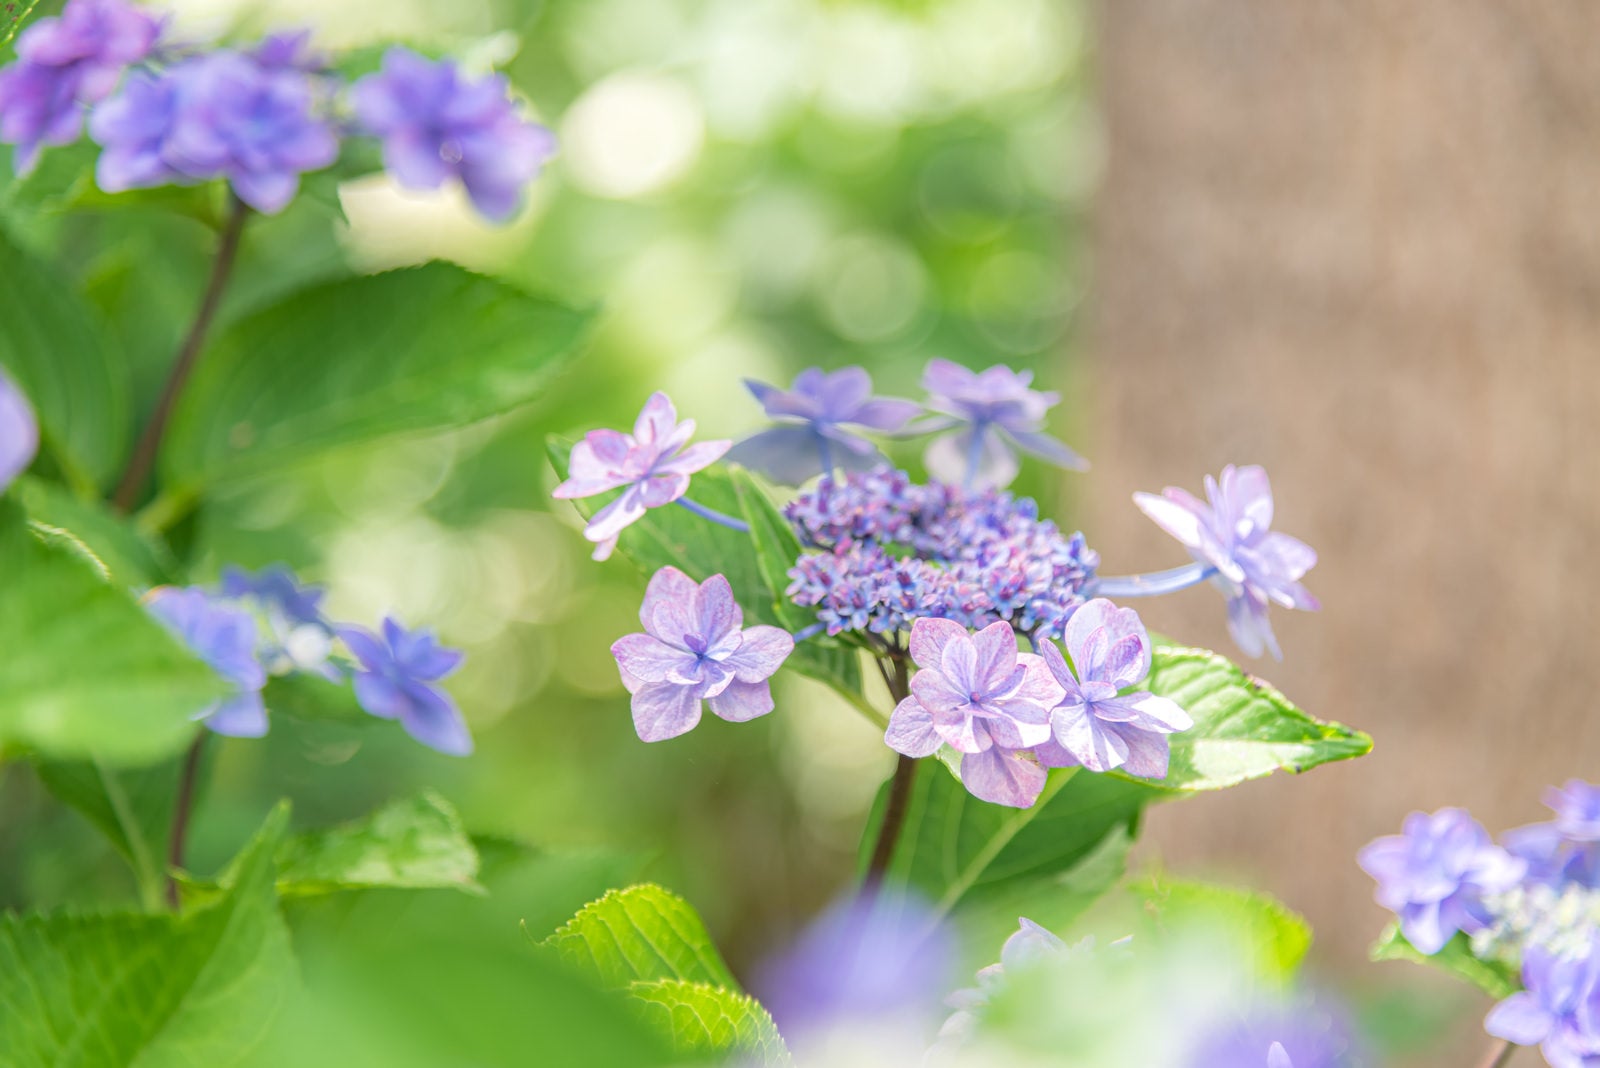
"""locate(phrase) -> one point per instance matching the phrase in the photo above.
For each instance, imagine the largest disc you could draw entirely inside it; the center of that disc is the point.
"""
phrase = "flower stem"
(715, 516)
(905, 774)
(1153, 583)
(180, 814)
(143, 461)
(1499, 1054)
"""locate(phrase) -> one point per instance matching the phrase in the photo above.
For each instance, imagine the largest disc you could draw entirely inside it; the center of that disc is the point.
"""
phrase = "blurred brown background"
(1359, 243)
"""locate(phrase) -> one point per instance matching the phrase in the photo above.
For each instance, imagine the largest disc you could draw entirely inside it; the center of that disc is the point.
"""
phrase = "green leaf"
(77, 381)
(417, 844)
(132, 808)
(1243, 727)
(132, 559)
(425, 348)
(641, 933)
(1495, 978)
(156, 991)
(87, 673)
(700, 1018)
(1277, 936)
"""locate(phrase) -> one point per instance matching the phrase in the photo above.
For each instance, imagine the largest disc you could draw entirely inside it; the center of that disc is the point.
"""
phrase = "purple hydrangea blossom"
(1255, 565)
(652, 466)
(1278, 1057)
(1026, 947)
(289, 51)
(815, 412)
(437, 125)
(219, 115)
(1096, 725)
(989, 414)
(695, 648)
(1559, 1009)
(978, 695)
(64, 63)
(225, 638)
(394, 682)
(1436, 874)
(1566, 849)
(299, 637)
(19, 432)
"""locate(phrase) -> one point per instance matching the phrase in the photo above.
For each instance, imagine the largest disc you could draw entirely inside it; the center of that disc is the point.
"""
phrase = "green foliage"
(357, 359)
(87, 672)
(641, 933)
(1276, 937)
(78, 382)
(131, 558)
(132, 808)
(202, 988)
(705, 1019)
(1496, 978)
(417, 844)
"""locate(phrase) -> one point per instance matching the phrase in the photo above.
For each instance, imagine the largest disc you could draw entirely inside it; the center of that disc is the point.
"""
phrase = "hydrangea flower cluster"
(1531, 902)
(263, 624)
(19, 432)
(259, 117)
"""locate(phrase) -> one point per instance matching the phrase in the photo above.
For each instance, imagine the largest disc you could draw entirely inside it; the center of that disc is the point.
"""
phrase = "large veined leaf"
(1275, 936)
(132, 559)
(87, 673)
(75, 378)
(700, 1018)
(641, 933)
(416, 844)
(423, 348)
(132, 807)
(1495, 978)
(156, 991)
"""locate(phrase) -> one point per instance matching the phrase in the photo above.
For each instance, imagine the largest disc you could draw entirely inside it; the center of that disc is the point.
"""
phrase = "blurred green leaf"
(12, 21)
(1277, 937)
(643, 932)
(53, 346)
(87, 673)
(701, 1018)
(1495, 978)
(414, 844)
(424, 348)
(131, 807)
(82, 991)
(133, 559)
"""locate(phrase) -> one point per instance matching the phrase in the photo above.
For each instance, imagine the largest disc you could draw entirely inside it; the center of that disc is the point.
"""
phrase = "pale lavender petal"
(1148, 752)
(696, 457)
(19, 432)
(960, 729)
(649, 659)
(614, 518)
(598, 463)
(1175, 516)
(1029, 728)
(1048, 448)
(886, 414)
(1421, 924)
(433, 719)
(657, 420)
(663, 710)
(788, 455)
(949, 457)
(1052, 754)
(1250, 627)
(761, 653)
(996, 649)
(911, 730)
(717, 617)
(1248, 494)
(1003, 777)
(379, 696)
(929, 636)
(1097, 746)
(1519, 1019)
(667, 611)
(240, 716)
(937, 693)
(743, 701)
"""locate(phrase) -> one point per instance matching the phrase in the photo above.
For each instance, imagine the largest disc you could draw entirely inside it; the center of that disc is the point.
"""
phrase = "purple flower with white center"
(299, 637)
(990, 413)
(653, 463)
(64, 63)
(815, 412)
(1096, 725)
(437, 125)
(219, 115)
(277, 587)
(394, 682)
(1559, 1009)
(1566, 849)
(225, 638)
(1435, 875)
(1255, 566)
(19, 432)
(695, 648)
(977, 694)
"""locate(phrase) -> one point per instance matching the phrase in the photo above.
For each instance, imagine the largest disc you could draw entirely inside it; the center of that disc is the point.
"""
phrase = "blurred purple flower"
(225, 638)
(1027, 946)
(290, 50)
(1435, 875)
(1298, 1034)
(988, 413)
(64, 63)
(277, 587)
(977, 694)
(1278, 1057)
(219, 115)
(695, 648)
(652, 463)
(1566, 849)
(815, 411)
(1559, 1010)
(393, 683)
(19, 432)
(1255, 566)
(437, 125)
(299, 637)
(1095, 726)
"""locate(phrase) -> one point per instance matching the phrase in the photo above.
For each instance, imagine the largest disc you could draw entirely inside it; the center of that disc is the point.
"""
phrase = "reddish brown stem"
(184, 805)
(905, 774)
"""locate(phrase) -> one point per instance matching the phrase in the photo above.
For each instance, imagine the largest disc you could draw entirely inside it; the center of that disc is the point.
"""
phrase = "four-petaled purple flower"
(393, 683)
(652, 463)
(1255, 566)
(988, 412)
(696, 648)
(1435, 874)
(1567, 848)
(816, 410)
(64, 63)
(977, 694)
(1559, 1009)
(225, 638)
(1095, 725)
(19, 432)
(437, 125)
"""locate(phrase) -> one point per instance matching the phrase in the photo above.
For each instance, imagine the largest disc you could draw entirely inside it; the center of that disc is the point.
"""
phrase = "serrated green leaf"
(1495, 978)
(416, 844)
(132, 559)
(423, 348)
(87, 673)
(1277, 937)
(151, 991)
(644, 932)
(1243, 727)
(76, 379)
(700, 1018)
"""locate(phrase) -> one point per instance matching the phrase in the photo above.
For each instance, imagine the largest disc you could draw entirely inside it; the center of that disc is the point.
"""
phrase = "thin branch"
(180, 814)
(1499, 1054)
(905, 774)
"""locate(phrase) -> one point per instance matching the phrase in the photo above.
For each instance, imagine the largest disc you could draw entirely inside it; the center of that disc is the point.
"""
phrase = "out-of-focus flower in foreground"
(816, 413)
(1559, 1009)
(19, 432)
(989, 414)
(225, 638)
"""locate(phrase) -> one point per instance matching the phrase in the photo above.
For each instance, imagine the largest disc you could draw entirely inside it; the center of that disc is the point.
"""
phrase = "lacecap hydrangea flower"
(298, 636)
(816, 414)
(19, 432)
(1230, 532)
(1567, 849)
(989, 415)
(394, 680)
(1559, 1008)
(696, 650)
(224, 636)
